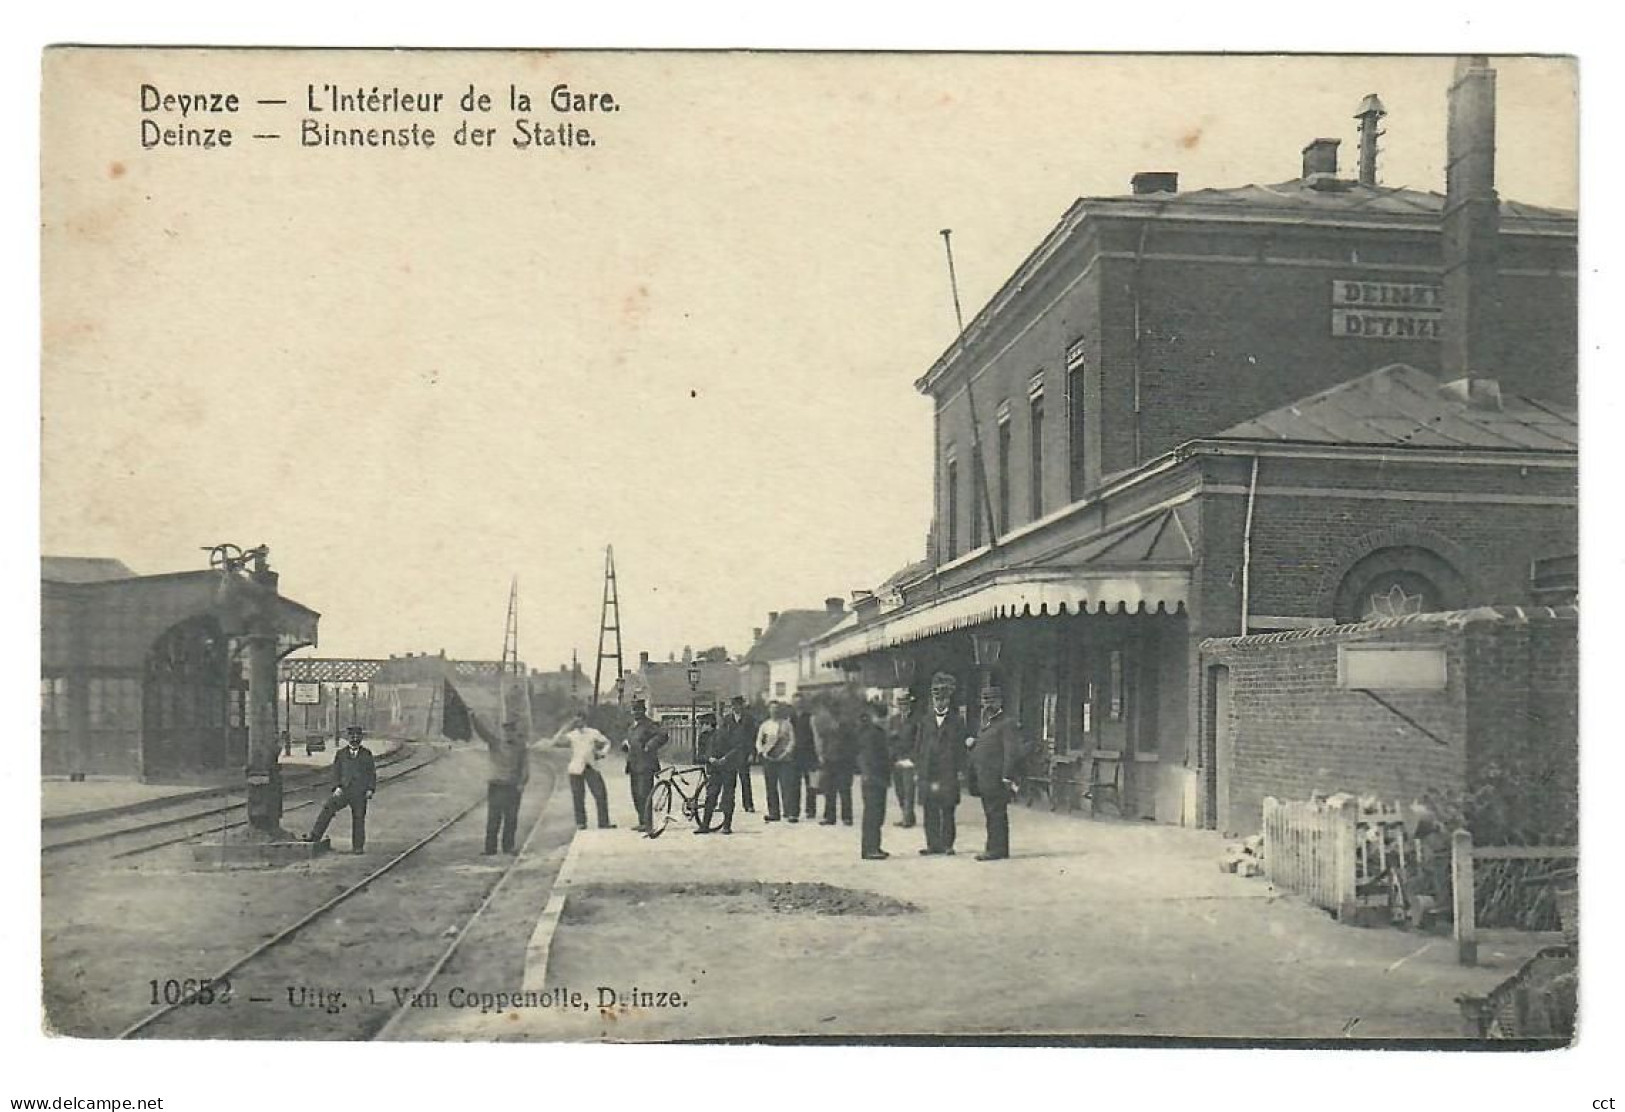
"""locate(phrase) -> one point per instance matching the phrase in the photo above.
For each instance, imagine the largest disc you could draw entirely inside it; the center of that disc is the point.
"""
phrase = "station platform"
(63, 800)
(1094, 927)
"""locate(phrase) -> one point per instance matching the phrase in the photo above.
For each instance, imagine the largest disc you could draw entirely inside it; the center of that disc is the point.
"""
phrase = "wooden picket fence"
(1310, 849)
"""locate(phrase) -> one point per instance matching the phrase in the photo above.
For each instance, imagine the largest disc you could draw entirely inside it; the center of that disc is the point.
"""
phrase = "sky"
(416, 374)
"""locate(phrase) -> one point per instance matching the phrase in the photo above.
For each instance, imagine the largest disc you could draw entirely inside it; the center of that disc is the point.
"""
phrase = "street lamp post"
(693, 718)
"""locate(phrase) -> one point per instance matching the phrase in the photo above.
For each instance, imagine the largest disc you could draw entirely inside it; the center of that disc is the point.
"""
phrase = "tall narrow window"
(1035, 471)
(1075, 418)
(978, 483)
(1004, 473)
(952, 482)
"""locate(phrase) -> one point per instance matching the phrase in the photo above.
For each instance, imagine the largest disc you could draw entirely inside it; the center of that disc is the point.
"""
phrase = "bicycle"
(687, 783)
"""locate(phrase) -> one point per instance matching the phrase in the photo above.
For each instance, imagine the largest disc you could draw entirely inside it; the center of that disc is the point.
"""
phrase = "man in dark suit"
(900, 728)
(355, 778)
(939, 754)
(874, 770)
(724, 761)
(642, 745)
(806, 757)
(995, 758)
(738, 718)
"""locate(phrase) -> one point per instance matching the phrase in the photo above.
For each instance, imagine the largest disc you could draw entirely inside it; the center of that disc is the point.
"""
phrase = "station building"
(1233, 411)
(140, 674)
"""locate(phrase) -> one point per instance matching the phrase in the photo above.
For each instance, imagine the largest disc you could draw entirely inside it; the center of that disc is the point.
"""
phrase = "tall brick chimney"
(1471, 230)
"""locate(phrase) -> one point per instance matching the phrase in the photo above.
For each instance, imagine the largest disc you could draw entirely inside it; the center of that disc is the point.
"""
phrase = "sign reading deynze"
(307, 694)
(1385, 310)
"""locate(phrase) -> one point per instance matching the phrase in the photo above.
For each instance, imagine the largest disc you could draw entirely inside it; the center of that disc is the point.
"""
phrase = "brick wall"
(1498, 745)
(1303, 545)
(1191, 329)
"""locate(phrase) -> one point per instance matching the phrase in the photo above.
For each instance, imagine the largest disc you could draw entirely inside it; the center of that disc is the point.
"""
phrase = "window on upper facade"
(977, 504)
(1004, 475)
(778, 688)
(1035, 473)
(952, 482)
(1077, 430)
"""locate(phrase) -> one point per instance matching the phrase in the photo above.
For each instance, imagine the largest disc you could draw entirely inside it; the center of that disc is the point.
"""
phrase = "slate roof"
(782, 639)
(83, 569)
(1400, 405)
(1348, 198)
(665, 684)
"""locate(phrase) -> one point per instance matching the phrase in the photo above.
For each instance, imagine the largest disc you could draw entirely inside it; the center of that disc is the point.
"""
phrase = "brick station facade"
(1184, 437)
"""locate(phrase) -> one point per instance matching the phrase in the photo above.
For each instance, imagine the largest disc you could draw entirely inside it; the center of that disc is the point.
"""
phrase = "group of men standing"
(819, 749)
(922, 756)
(934, 749)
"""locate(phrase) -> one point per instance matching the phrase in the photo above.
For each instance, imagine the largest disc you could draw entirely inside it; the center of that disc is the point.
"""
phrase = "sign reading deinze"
(1385, 310)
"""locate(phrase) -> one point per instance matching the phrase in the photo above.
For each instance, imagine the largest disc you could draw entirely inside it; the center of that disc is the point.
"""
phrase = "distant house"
(781, 661)
(666, 688)
(568, 681)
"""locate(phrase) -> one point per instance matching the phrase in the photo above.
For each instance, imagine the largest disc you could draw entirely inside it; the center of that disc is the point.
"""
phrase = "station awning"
(1141, 566)
(1024, 593)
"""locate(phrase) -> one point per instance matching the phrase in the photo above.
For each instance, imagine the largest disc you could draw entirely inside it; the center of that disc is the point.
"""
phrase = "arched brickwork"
(1462, 583)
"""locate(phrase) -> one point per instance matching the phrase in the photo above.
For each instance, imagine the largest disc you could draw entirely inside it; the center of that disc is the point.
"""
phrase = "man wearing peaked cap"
(995, 760)
(900, 725)
(940, 738)
(642, 748)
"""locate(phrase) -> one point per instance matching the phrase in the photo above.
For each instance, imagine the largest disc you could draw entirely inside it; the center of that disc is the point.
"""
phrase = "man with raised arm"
(587, 747)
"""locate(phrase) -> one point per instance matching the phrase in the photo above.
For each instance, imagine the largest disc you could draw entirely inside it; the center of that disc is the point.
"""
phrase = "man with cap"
(940, 747)
(642, 745)
(874, 771)
(900, 734)
(506, 776)
(355, 778)
(724, 755)
(738, 720)
(995, 760)
(776, 746)
(806, 757)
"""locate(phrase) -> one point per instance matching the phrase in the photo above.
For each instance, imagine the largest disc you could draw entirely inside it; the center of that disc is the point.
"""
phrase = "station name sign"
(1386, 310)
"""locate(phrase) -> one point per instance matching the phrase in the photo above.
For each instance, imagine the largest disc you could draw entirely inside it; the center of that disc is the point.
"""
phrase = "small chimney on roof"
(1154, 181)
(755, 634)
(1477, 393)
(1370, 114)
(835, 605)
(643, 660)
(772, 616)
(1320, 157)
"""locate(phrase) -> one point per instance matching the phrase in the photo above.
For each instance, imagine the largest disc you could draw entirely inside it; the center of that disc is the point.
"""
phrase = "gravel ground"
(1102, 928)
(117, 926)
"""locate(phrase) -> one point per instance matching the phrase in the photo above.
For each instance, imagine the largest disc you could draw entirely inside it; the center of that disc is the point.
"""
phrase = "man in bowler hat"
(355, 778)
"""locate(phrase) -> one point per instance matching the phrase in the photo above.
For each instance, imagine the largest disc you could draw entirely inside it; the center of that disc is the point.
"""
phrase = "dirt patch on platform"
(589, 901)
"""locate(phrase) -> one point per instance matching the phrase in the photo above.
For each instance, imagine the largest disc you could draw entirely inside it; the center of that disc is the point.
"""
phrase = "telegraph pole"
(978, 464)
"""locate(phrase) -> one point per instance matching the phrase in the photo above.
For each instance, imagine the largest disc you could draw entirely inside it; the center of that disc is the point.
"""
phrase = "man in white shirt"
(776, 746)
(587, 747)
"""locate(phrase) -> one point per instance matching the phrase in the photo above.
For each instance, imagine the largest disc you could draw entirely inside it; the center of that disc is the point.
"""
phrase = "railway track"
(404, 762)
(376, 964)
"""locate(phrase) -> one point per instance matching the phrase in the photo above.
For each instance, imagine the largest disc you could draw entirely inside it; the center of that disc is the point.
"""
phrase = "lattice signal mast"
(510, 636)
(609, 622)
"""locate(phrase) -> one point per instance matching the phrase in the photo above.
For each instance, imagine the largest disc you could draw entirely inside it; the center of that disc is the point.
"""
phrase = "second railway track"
(350, 967)
(203, 817)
